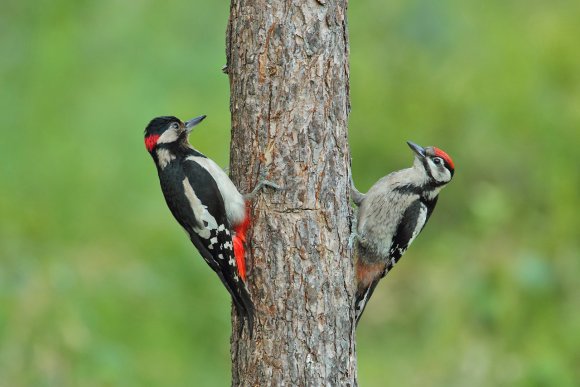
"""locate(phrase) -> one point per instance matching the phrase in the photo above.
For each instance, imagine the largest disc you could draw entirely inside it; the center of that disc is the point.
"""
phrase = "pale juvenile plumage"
(391, 215)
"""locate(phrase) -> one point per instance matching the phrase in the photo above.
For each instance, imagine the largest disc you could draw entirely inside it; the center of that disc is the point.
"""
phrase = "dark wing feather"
(404, 233)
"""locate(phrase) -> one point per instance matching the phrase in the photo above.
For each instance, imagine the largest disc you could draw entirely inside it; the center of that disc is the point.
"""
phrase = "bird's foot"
(353, 236)
(261, 184)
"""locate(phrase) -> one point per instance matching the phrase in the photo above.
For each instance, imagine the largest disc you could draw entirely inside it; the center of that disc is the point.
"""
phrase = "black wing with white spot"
(200, 211)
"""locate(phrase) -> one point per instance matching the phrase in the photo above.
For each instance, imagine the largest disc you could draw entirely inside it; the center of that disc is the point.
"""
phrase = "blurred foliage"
(98, 287)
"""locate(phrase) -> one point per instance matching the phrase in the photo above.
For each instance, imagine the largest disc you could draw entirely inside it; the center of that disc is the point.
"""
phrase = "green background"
(99, 286)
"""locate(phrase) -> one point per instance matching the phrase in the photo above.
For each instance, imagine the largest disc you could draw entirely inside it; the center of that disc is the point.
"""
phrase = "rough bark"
(288, 69)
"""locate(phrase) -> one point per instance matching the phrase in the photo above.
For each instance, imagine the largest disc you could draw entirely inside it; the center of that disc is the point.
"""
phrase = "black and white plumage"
(391, 215)
(205, 202)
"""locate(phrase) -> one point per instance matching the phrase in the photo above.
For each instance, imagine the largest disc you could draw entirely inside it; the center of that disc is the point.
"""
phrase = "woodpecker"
(205, 202)
(391, 215)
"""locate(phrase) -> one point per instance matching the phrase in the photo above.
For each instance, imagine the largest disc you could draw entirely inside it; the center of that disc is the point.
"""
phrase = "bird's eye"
(175, 125)
(437, 160)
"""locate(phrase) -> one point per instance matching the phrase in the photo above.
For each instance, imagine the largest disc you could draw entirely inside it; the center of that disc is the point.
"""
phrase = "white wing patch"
(233, 200)
(420, 223)
(200, 212)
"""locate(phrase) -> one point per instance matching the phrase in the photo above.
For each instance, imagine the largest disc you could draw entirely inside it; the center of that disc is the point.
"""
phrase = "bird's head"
(436, 164)
(167, 130)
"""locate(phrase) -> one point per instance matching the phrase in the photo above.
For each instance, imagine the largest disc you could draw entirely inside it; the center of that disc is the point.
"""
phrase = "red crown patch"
(444, 156)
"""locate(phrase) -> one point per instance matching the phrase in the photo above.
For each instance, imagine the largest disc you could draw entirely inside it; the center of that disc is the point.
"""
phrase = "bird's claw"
(261, 184)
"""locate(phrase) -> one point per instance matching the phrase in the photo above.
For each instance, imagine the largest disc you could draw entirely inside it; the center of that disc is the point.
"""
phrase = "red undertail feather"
(239, 242)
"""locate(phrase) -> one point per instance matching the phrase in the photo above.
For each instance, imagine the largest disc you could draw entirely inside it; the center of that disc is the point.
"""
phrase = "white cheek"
(443, 175)
(439, 172)
(168, 136)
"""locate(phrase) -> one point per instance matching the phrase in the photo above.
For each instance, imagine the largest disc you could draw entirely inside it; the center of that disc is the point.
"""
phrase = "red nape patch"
(444, 156)
(151, 141)
(239, 241)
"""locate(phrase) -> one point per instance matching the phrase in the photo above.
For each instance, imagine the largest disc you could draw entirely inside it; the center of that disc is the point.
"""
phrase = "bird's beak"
(419, 150)
(191, 123)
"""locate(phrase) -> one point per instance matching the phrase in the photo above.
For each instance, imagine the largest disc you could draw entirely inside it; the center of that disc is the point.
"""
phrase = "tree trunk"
(288, 69)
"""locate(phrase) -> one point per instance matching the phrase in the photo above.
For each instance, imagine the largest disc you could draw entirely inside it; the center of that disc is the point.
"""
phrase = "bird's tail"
(249, 308)
(368, 276)
(242, 301)
(363, 295)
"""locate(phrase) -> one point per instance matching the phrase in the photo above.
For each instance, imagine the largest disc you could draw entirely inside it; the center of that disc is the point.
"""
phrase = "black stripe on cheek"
(427, 169)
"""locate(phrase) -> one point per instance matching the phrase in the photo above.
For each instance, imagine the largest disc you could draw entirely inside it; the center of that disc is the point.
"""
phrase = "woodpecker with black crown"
(206, 203)
(391, 215)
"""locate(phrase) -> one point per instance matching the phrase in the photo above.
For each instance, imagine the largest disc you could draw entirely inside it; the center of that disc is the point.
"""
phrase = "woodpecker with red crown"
(391, 215)
(205, 202)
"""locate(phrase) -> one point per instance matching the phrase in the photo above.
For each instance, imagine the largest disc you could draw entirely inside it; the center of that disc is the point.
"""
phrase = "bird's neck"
(424, 185)
(430, 194)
